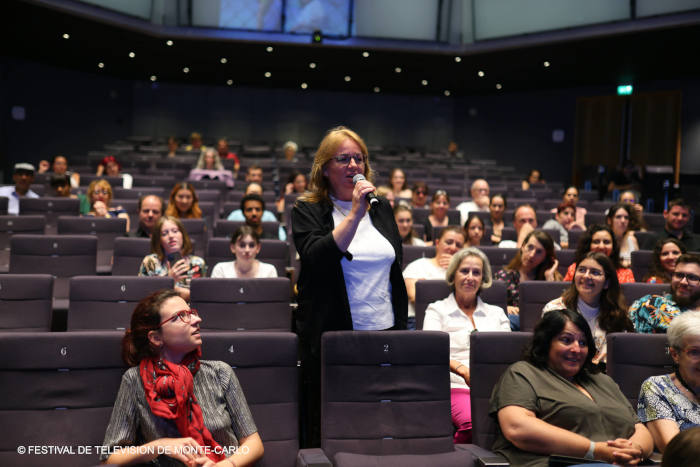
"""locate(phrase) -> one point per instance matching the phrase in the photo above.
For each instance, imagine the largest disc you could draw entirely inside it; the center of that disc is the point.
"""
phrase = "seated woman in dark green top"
(555, 402)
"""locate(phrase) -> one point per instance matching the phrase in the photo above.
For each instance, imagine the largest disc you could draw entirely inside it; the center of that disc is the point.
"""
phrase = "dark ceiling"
(36, 33)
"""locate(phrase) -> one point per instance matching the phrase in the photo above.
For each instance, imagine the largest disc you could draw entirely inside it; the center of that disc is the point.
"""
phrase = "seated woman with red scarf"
(171, 405)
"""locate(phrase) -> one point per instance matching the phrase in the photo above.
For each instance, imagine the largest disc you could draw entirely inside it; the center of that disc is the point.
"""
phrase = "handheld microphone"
(370, 197)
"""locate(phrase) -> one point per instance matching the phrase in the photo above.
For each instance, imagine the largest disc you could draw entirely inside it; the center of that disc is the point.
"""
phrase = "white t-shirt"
(422, 268)
(445, 315)
(367, 275)
(466, 207)
(227, 270)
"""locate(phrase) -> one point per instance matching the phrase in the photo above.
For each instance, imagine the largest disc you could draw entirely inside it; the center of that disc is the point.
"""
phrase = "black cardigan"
(323, 299)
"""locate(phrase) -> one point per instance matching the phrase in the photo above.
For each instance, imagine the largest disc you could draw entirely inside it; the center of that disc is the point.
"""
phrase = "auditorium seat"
(655, 221)
(414, 252)
(128, 255)
(593, 217)
(213, 185)
(105, 229)
(87, 178)
(138, 192)
(51, 208)
(566, 258)
(275, 252)
(421, 215)
(266, 366)
(429, 291)
(11, 225)
(554, 233)
(106, 302)
(641, 262)
(646, 240)
(58, 389)
(197, 231)
(574, 238)
(385, 400)
(498, 257)
(534, 295)
(3, 205)
(223, 228)
(157, 181)
(634, 290)
(243, 304)
(26, 302)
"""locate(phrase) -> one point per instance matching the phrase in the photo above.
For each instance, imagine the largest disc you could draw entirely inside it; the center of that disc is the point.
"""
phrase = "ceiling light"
(132, 54)
(347, 78)
(397, 69)
(66, 36)
(446, 93)
(223, 60)
(100, 65)
(458, 59)
(269, 49)
(169, 43)
(424, 82)
(546, 64)
(267, 74)
(376, 89)
(312, 65)
(154, 77)
(304, 85)
(481, 74)
(229, 82)
(498, 86)
(365, 54)
(186, 70)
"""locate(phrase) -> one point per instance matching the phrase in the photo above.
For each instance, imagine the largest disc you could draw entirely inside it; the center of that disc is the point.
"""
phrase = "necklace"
(685, 385)
(344, 213)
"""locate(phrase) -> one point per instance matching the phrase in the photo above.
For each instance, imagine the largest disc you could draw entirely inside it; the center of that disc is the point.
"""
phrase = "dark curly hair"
(657, 269)
(584, 245)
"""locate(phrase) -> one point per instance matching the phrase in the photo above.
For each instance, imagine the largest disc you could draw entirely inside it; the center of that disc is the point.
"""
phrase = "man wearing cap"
(23, 177)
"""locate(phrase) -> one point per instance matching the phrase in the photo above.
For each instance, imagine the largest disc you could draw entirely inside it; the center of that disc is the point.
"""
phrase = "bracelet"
(590, 452)
(458, 367)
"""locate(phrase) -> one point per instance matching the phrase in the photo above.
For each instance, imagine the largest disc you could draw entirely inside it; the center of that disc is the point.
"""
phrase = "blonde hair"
(101, 183)
(318, 183)
(457, 258)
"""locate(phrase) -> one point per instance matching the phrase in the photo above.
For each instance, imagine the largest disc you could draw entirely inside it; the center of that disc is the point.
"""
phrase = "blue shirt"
(13, 198)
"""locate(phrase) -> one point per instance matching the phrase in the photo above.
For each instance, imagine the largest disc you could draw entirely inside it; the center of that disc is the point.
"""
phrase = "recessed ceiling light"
(458, 59)
(304, 85)
(267, 74)
(312, 65)
(229, 82)
(546, 64)
(376, 89)
(397, 69)
(446, 93)
(100, 65)
(269, 48)
(499, 86)
(365, 54)
(154, 77)
(347, 78)
(66, 36)
(224, 60)
(169, 43)
(424, 82)
(132, 54)
(186, 70)
(481, 74)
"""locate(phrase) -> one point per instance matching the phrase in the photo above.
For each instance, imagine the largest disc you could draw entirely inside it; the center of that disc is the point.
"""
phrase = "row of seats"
(385, 394)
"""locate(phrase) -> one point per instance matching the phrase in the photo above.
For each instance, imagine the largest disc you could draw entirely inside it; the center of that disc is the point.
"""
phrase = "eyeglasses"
(101, 192)
(185, 316)
(691, 278)
(421, 192)
(593, 272)
(344, 159)
(440, 193)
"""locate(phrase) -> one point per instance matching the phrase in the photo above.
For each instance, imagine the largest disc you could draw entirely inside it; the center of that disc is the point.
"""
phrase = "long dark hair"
(584, 244)
(146, 318)
(551, 324)
(657, 268)
(550, 257)
(613, 308)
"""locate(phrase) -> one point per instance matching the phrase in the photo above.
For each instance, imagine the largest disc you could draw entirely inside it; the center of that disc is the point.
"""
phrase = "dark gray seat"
(566, 258)
(243, 304)
(3, 205)
(574, 237)
(11, 225)
(224, 228)
(275, 252)
(58, 389)
(385, 400)
(641, 262)
(106, 302)
(266, 366)
(26, 302)
(534, 295)
(106, 230)
(646, 240)
(86, 179)
(198, 232)
(414, 252)
(137, 192)
(634, 290)
(498, 257)
(157, 181)
(51, 208)
(128, 255)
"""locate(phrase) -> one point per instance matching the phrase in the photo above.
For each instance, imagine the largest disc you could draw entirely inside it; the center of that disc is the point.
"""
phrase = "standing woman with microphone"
(351, 258)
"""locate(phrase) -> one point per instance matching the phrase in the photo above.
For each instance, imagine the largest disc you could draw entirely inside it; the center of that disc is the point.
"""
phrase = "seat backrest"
(106, 229)
(593, 217)
(634, 290)
(633, 357)
(498, 257)
(266, 366)
(11, 225)
(4, 201)
(574, 237)
(25, 302)
(50, 207)
(565, 257)
(641, 261)
(128, 255)
(115, 182)
(224, 228)
(162, 181)
(385, 392)
(137, 192)
(646, 240)
(106, 302)
(275, 252)
(534, 295)
(60, 255)
(197, 231)
(490, 354)
(243, 304)
(414, 252)
(57, 390)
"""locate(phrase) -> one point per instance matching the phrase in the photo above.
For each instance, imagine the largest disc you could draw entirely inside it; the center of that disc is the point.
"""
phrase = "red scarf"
(170, 394)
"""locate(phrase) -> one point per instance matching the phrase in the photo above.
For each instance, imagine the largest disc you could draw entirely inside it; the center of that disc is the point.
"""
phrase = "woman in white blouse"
(460, 314)
(245, 244)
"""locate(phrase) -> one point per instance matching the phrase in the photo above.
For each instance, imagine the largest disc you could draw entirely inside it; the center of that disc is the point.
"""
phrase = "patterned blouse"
(653, 313)
(624, 275)
(151, 266)
(660, 398)
(512, 280)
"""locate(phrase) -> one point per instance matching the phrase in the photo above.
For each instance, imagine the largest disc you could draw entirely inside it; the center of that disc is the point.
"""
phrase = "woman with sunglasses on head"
(171, 255)
(351, 256)
(178, 409)
(438, 214)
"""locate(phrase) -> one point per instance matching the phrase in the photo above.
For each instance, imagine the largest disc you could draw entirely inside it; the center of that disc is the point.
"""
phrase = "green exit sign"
(624, 90)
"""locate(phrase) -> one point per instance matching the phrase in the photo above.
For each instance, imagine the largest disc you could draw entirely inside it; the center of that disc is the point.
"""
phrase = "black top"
(140, 233)
(689, 239)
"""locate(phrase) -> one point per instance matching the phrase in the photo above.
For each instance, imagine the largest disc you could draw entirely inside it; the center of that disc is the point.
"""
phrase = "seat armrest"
(314, 457)
(484, 457)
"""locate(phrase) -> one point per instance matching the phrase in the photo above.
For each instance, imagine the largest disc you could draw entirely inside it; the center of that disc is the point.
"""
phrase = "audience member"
(637, 215)
(600, 238)
(451, 240)
(110, 167)
(150, 210)
(534, 261)
(397, 184)
(173, 145)
(677, 217)
(595, 293)
(60, 186)
(253, 207)
(171, 255)
(252, 189)
(474, 230)
(618, 218)
(653, 313)
(497, 207)
(668, 404)
(556, 402)
(209, 160)
(404, 221)
(480, 200)
(59, 166)
(190, 410)
(385, 192)
(524, 221)
(533, 178)
(438, 214)
(663, 260)
(683, 450)
(23, 176)
(289, 150)
(460, 314)
(209, 167)
(195, 143)
(245, 246)
(225, 153)
(183, 202)
(419, 198)
(628, 176)
(571, 196)
(296, 183)
(254, 174)
(99, 197)
(563, 222)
